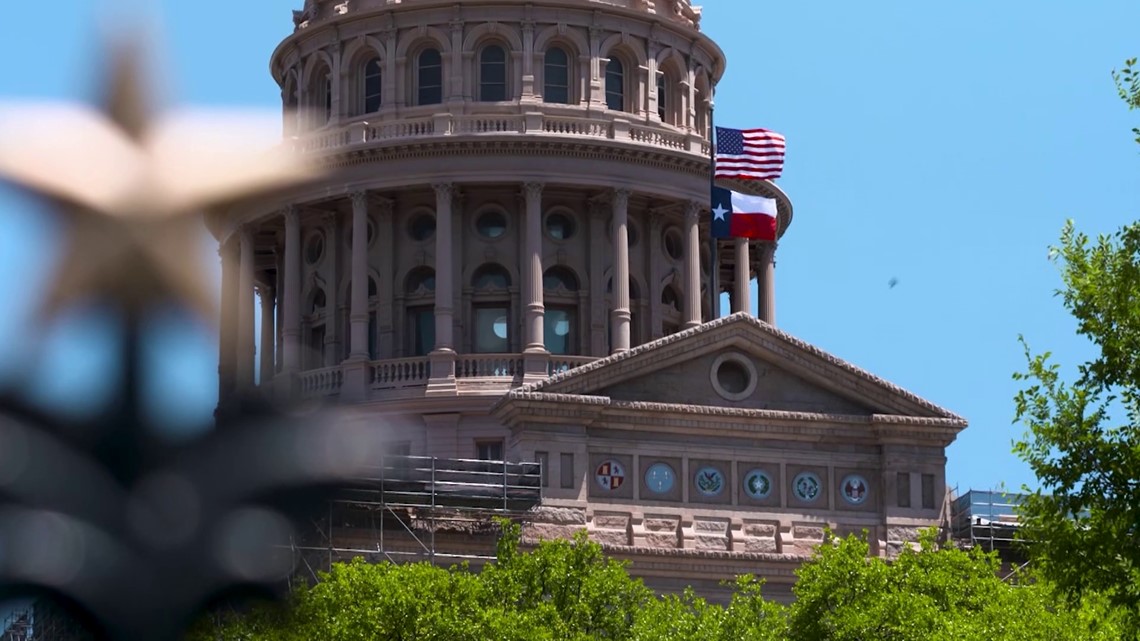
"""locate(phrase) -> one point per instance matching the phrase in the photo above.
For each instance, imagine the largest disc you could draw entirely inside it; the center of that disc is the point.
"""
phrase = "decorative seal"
(659, 478)
(709, 481)
(806, 486)
(854, 489)
(610, 475)
(757, 484)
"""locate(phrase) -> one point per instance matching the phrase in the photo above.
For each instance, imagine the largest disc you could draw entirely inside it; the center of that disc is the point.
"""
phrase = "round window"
(659, 478)
(709, 481)
(807, 487)
(560, 226)
(492, 224)
(674, 246)
(315, 248)
(610, 475)
(757, 484)
(733, 376)
(422, 227)
(854, 489)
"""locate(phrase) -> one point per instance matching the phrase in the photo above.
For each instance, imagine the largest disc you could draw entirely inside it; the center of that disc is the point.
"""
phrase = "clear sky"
(939, 144)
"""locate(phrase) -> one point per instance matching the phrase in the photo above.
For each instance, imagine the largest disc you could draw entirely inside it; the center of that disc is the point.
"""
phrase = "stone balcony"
(401, 378)
(542, 123)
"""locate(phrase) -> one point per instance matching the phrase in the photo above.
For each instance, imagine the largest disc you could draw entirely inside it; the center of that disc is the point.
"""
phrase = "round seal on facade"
(610, 475)
(757, 484)
(709, 481)
(806, 486)
(660, 478)
(854, 489)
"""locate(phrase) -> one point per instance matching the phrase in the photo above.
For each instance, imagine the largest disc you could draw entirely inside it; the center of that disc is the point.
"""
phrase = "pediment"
(738, 362)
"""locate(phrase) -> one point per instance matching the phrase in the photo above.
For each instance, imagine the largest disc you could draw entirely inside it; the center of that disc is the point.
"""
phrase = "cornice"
(788, 351)
(540, 407)
(534, 145)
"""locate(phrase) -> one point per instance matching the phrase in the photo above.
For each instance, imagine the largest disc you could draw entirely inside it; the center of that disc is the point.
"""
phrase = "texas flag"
(737, 215)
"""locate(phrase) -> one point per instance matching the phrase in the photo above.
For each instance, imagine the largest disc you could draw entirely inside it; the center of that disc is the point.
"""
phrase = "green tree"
(932, 593)
(1083, 439)
(1128, 85)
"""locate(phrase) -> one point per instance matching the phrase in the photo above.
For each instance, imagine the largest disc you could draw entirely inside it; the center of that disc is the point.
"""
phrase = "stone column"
(620, 314)
(291, 300)
(656, 273)
(532, 270)
(245, 344)
(692, 296)
(443, 356)
(228, 326)
(766, 280)
(596, 334)
(266, 293)
(387, 287)
(358, 297)
(741, 299)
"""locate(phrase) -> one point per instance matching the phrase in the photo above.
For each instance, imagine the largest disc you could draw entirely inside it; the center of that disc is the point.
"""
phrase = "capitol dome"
(508, 260)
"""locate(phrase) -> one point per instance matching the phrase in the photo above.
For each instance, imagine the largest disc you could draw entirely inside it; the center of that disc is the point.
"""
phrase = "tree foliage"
(1128, 85)
(570, 590)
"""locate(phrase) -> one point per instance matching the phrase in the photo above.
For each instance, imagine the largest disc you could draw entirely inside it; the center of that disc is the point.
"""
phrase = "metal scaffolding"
(988, 519)
(420, 508)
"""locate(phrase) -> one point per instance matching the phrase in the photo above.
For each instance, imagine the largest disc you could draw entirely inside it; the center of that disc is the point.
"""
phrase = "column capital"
(359, 199)
(330, 219)
(444, 190)
(693, 211)
(621, 197)
(384, 206)
(291, 215)
(533, 189)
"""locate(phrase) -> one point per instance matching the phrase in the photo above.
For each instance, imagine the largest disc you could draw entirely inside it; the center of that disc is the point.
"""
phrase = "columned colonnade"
(281, 301)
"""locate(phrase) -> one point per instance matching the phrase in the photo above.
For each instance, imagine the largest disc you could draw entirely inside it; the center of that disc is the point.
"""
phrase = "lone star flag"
(742, 216)
(750, 154)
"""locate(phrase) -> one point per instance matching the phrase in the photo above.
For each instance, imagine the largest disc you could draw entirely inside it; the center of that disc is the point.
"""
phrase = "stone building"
(509, 260)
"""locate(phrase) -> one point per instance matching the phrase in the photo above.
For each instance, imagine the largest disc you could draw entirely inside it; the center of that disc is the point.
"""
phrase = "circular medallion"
(806, 486)
(757, 484)
(854, 489)
(659, 478)
(709, 481)
(610, 475)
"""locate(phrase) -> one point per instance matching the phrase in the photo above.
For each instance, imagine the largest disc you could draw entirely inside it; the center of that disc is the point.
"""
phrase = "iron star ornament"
(135, 531)
(131, 184)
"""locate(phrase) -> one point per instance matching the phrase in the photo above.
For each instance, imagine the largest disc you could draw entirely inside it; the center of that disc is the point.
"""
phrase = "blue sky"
(940, 144)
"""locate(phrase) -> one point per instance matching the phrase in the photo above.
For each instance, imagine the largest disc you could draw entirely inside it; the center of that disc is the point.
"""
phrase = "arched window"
(429, 77)
(491, 311)
(671, 310)
(419, 292)
(560, 294)
(328, 96)
(615, 85)
(662, 97)
(314, 356)
(373, 86)
(493, 74)
(556, 76)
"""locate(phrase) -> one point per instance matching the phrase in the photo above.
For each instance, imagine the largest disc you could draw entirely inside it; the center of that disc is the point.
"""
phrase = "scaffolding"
(987, 519)
(413, 508)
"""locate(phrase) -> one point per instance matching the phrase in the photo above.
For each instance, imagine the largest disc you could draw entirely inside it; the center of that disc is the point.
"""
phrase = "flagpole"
(714, 269)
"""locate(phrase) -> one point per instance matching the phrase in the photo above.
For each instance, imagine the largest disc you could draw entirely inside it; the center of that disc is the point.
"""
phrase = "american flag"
(751, 154)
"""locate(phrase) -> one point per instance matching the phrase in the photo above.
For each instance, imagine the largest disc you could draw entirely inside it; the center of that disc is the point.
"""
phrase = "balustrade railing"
(560, 364)
(321, 382)
(603, 126)
(489, 366)
(401, 372)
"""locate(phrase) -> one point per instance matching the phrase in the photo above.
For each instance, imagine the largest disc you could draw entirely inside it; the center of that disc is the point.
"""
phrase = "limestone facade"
(508, 258)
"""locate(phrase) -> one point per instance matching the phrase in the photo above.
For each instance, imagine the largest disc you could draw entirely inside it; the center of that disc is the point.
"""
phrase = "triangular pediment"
(738, 362)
